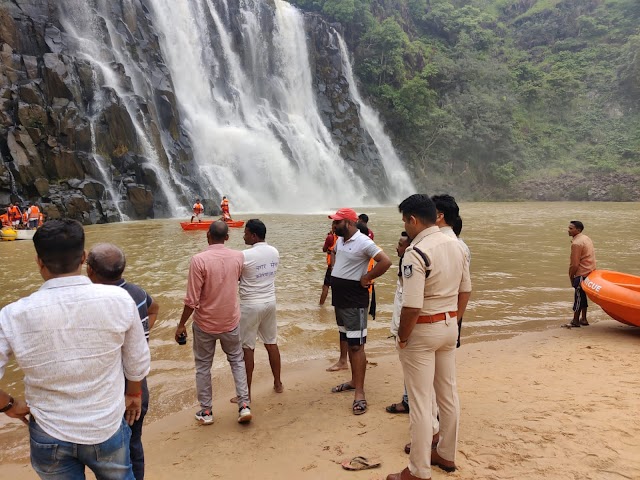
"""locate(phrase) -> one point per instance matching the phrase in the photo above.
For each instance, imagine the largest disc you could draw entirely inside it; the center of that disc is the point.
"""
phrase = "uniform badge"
(407, 270)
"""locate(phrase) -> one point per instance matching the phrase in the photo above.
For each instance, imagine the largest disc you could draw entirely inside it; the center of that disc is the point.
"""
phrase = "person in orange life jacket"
(198, 209)
(372, 290)
(33, 213)
(329, 245)
(224, 206)
(14, 214)
(363, 221)
(25, 218)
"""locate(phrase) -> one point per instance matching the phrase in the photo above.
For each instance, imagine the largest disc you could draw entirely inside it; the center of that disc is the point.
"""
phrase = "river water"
(519, 262)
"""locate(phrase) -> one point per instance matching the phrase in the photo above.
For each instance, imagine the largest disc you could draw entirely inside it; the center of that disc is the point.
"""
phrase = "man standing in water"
(350, 282)
(329, 245)
(76, 343)
(224, 206)
(258, 300)
(212, 298)
(434, 274)
(582, 263)
(105, 265)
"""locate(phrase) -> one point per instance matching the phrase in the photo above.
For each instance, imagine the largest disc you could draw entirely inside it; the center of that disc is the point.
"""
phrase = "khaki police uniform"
(428, 360)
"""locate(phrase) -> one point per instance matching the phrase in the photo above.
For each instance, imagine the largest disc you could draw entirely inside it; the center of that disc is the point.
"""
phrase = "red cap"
(345, 214)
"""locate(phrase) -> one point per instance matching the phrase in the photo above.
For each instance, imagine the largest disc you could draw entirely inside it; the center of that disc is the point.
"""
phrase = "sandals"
(571, 325)
(343, 387)
(393, 408)
(359, 407)
(361, 463)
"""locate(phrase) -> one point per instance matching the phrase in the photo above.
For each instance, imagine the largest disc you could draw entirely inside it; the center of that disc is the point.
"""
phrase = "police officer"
(436, 283)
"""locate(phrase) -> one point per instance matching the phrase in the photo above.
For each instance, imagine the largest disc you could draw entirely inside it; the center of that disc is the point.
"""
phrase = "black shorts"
(352, 324)
(327, 277)
(579, 297)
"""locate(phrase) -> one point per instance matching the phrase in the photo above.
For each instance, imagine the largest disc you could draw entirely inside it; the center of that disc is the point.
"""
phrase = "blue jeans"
(135, 445)
(53, 459)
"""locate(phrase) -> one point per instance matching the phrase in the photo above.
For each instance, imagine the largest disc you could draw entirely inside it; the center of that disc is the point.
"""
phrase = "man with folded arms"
(75, 342)
(435, 275)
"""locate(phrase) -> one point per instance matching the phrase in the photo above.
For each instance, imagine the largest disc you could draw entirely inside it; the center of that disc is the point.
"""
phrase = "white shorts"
(15, 223)
(197, 216)
(258, 320)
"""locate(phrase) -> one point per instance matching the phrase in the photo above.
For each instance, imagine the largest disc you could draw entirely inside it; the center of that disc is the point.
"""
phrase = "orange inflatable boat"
(204, 225)
(617, 293)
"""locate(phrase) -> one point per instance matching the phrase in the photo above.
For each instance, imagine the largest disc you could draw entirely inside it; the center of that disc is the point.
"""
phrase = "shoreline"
(554, 404)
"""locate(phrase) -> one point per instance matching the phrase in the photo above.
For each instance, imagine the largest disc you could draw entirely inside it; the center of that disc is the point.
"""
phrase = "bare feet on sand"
(338, 366)
(279, 388)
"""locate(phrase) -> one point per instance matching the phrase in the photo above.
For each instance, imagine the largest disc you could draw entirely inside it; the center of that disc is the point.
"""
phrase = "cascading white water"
(80, 22)
(399, 181)
(256, 132)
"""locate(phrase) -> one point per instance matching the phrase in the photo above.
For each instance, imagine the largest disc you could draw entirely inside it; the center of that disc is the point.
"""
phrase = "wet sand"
(558, 404)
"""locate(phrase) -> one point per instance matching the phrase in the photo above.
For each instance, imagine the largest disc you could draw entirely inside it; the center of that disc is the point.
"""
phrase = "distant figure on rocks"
(198, 210)
(212, 298)
(224, 206)
(363, 221)
(582, 263)
(105, 265)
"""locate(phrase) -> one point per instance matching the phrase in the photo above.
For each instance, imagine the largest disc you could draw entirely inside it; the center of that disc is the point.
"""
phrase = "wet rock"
(141, 200)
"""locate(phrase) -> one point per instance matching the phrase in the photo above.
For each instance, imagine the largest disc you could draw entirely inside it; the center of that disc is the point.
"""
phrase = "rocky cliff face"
(89, 123)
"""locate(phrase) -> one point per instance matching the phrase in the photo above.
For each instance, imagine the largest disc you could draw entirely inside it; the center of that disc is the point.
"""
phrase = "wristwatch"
(8, 406)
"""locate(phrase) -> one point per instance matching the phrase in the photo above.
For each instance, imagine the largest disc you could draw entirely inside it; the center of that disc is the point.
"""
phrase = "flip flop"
(393, 408)
(570, 325)
(361, 463)
(343, 387)
(359, 407)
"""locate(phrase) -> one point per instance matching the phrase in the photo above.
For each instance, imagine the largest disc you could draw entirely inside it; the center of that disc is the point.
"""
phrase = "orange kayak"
(617, 293)
(204, 225)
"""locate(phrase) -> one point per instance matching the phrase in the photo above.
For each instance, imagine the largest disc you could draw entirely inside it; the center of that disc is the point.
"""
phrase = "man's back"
(257, 283)
(585, 253)
(213, 288)
(71, 338)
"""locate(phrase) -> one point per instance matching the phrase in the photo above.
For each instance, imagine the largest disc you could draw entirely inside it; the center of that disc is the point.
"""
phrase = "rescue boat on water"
(204, 225)
(618, 294)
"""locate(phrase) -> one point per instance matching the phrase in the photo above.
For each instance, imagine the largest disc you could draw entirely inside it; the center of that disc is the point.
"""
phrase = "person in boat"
(198, 210)
(105, 265)
(224, 206)
(582, 262)
(15, 215)
(33, 213)
(350, 282)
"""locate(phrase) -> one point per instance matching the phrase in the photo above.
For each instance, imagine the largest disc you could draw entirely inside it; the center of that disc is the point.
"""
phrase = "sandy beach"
(558, 404)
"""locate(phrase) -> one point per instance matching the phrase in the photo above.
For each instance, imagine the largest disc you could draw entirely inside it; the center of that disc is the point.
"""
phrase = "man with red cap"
(350, 282)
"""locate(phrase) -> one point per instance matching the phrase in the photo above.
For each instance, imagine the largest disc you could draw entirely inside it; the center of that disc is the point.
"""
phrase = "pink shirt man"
(212, 288)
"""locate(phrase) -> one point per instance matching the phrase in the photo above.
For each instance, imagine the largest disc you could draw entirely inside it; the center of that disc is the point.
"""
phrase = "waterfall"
(255, 128)
(81, 22)
(400, 183)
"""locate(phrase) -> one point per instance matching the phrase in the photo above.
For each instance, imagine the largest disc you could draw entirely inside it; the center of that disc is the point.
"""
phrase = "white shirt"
(257, 281)
(73, 339)
(397, 309)
(352, 256)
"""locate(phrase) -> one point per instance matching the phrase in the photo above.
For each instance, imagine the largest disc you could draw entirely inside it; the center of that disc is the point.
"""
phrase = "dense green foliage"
(480, 95)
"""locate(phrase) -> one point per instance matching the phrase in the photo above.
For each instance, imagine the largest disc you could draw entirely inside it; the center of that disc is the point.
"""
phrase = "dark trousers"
(135, 445)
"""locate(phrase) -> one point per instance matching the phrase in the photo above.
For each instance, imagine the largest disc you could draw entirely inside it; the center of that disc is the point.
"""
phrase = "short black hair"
(218, 230)
(364, 217)
(578, 224)
(446, 204)
(257, 227)
(363, 228)
(457, 226)
(60, 245)
(420, 206)
(107, 260)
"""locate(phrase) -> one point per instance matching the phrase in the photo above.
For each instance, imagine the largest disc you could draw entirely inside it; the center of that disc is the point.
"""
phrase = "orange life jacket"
(224, 206)
(14, 213)
(34, 212)
(25, 217)
(198, 208)
(333, 245)
(4, 219)
(369, 268)
(40, 219)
